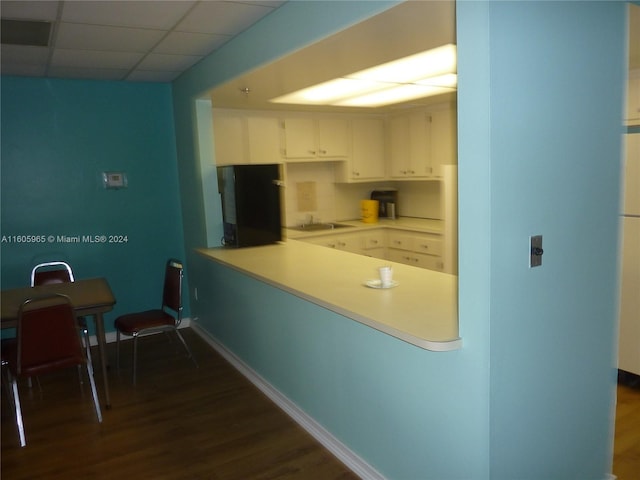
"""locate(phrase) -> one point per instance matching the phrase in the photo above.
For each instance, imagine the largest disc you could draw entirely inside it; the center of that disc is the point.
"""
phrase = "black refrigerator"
(251, 211)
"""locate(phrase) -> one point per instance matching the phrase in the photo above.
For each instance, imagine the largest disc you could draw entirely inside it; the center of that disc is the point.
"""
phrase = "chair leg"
(135, 357)
(92, 381)
(118, 350)
(18, 409)
(186, 347)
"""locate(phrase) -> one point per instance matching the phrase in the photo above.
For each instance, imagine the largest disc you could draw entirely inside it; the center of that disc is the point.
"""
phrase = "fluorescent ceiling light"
(431, 63)
(416, 76)
(401, 93)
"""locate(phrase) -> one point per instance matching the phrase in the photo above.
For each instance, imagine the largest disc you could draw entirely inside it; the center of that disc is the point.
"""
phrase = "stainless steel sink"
(314, 227)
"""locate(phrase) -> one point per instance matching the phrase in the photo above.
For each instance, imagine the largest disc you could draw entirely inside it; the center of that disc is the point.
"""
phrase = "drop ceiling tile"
(94, 59)
(227, 18)
(184, 43)
(151, 76)
(106, 38)
(88, 73)
(24, 69)
(163, 14)
(156, 61)
(37, 10)
(24, 54)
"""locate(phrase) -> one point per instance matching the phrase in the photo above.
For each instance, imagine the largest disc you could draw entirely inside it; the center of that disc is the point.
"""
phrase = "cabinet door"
(428, 244)
(631, 181)
(629, 335)
(420, 145)
(348, 243)
(299, 138)
(633, 98)
(333, 137)
(263, 140)
(229, 139)
(443, 140)
(367, 157)
(399, 146)
(400, 240)
(410, 145)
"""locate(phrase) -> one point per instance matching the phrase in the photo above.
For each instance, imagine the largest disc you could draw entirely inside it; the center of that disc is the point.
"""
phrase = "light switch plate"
(114, 179)
(535, 251)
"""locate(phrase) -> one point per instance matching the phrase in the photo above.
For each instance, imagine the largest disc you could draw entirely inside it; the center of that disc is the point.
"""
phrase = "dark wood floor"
(626, 450)
(186, 423)
(178, 423)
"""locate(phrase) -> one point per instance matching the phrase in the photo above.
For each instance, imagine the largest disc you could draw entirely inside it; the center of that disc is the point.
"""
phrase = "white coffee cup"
(386, 276)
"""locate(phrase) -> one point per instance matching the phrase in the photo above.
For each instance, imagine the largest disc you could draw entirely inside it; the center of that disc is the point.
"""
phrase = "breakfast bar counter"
(421, 309)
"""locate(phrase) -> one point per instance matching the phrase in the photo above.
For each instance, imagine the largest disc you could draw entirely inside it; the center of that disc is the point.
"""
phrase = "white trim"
(317, 431)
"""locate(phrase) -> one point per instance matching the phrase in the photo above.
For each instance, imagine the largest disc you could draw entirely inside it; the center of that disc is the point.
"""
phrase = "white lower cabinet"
(374, 244)
(411, 248)
(417, 249)
(347, 242)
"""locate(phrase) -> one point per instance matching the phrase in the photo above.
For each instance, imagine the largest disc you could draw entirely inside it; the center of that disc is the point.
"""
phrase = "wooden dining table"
(90, 298)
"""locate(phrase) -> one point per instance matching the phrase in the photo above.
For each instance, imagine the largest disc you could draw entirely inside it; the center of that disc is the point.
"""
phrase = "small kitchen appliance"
(387, 202)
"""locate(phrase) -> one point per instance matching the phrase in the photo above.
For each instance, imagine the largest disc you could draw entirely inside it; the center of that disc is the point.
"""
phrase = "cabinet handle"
(426, 247)
(342, 244)
(356, 174)
(323, 152)
(312, 152)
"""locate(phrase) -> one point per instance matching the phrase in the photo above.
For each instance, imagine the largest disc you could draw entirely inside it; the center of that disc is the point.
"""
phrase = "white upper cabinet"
(409, 143)
(633, 98)
(444, 139)
(242, 137)
(366, 162)
(263, 140)
(228, 138)
(421, 141)
(315, 138)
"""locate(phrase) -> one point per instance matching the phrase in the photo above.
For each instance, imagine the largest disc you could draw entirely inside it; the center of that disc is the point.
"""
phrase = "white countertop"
(423, 225)
(421, 310)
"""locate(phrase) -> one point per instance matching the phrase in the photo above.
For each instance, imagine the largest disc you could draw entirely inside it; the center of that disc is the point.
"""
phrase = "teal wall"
(555, 86)
(58, 136)
(531, 393)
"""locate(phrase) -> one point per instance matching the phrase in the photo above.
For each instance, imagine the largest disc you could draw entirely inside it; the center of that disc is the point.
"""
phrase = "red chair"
(47, 340)
(51, 272)
(165, 319)
(57, 272)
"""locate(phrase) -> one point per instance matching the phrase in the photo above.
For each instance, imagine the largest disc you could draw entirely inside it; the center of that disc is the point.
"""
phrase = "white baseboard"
(317, 431)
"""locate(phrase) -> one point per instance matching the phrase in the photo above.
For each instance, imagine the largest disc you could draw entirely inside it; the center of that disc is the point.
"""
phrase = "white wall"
(341, 201)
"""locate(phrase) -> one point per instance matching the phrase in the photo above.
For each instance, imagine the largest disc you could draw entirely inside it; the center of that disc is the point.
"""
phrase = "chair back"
(51, 272)
(172, 291)
(47, 336)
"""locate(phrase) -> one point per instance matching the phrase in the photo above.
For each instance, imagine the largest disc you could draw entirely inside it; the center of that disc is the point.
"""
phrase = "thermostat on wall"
(114, 179)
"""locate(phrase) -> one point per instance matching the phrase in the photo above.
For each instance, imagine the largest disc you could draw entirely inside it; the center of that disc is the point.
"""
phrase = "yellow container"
(369, 210)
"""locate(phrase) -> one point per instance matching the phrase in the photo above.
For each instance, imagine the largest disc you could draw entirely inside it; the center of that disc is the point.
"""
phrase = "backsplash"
(311, 191)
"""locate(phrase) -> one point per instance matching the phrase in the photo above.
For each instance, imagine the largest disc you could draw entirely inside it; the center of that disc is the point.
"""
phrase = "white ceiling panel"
(184, 43)
(162, 15)
(38, 10)
(106, 38)
(153, 76)
(25, 55)
(86, 73)
(94, 59)
(149, 40)
(222, 17)
(159, 62)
